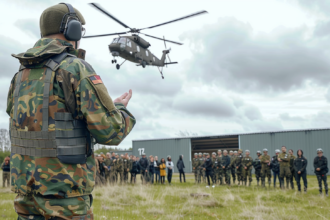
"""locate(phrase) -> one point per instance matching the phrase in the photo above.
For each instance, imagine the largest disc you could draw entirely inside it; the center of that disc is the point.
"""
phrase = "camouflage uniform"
(195, 165)
(120, 170)
(214, 168)
(125, 169)
(107, 163)
(292, 158)
(247, 162)
(285, 169)
(225, 172)
(203, 171)
(257, 169)
(200, 169)
(233, 168)
(265, 169)
(46, 185)
(219, 170)
(238, 165)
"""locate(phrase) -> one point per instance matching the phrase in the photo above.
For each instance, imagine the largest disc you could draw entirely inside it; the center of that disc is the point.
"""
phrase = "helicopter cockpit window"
(147, 53)
(115, 40)
(138, 48)
(129, 43)
(122, 40)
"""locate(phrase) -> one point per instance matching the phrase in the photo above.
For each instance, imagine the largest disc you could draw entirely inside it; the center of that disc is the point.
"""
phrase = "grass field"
(174, 202)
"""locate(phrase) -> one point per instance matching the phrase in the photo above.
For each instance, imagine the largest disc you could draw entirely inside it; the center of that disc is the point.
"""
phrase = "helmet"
(240, 150)
(195, 153)
(225, 151)
(247, 151)
(235, 152)
(231, 151)
(258, 152)
(319, 149)
(200, 153)
(206, 153)
(277, 151)
(265, 150)
(219, 150)
(143, 154)
(214, 153)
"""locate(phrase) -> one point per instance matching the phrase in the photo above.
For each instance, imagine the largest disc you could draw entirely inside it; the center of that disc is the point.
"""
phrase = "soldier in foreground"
(284, 160)
(265, 168)
(257, 166)
(321, 170)
(247, 167)
(71, 107)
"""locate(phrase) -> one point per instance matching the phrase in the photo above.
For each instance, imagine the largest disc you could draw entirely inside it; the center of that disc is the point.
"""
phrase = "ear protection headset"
(71, 26)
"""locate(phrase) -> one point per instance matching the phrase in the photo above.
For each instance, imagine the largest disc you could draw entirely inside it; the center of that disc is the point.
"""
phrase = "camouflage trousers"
(265, 172)
(199, 174)
(204, 176)
(38, 207)
(5, 178)
(247, 173)
(323, 178)
(258, 174)
(219, 176)
(285, 172)
(226, 173)
(125, 177)
(233, 173)
(196, 175)
(119, 176)
(239, 174)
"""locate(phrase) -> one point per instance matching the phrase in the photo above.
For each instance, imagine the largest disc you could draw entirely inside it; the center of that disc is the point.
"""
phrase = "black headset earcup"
(73, 31)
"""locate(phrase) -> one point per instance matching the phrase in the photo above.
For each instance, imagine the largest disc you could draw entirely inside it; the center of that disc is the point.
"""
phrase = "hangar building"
(307, 140)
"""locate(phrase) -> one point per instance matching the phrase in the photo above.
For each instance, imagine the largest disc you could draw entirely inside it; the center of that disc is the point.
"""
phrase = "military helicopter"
(134, 48)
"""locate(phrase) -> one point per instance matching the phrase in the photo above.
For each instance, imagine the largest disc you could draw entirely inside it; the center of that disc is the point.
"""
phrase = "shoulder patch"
(96, 79)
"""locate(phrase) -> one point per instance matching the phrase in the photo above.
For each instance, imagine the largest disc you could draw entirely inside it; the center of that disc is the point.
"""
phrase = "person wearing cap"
(292, 158)
(275, 166)
(195, 165)
(169, 166)
(321, 170)
(265, 168)
(300, 164)
(143, 164)
(225, 167)
(247, 167)
(62, 87)
(200, 168)
(238, 165)
(284, 159)
(257, 166)
(6, 172)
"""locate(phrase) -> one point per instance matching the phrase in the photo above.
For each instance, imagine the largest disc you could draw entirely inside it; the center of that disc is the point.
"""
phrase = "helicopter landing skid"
(118, 66)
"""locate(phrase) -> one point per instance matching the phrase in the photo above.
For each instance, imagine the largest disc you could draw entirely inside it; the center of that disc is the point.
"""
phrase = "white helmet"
(277, 151)
(319, 149)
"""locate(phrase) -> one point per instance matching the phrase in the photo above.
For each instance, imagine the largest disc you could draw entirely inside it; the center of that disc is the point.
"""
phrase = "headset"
(71, 25)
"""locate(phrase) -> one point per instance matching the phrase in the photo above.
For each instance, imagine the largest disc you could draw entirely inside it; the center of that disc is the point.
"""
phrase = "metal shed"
(308, 140)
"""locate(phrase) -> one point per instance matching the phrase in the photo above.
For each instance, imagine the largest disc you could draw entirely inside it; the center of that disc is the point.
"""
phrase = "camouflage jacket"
(285, 157)
(126, 165)
(195, 163)
(264, 164)
(71, 90)
(247, 162)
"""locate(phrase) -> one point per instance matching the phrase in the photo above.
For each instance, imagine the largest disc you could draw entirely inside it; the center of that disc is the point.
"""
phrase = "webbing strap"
(16, 93)
(48, 152)
(52, 65)
(71, 142)
(69, 124)
(67, 150)
(63, 116)
(33, 134)
(71, 133)
(33, 143)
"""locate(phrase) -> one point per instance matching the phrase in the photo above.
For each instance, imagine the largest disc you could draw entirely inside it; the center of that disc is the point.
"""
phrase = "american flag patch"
(96, 79)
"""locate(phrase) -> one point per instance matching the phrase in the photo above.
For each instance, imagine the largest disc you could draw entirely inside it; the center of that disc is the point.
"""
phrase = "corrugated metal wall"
(308, 141)
(162, 148)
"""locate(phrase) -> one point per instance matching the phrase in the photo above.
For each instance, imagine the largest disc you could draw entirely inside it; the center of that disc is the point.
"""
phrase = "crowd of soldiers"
(222, 167)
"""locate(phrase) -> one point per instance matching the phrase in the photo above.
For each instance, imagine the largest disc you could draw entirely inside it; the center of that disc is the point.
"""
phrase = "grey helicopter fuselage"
(135, 49)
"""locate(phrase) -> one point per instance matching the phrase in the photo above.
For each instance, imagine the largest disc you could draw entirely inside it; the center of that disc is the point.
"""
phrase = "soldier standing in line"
(116, 160)
(195, 165)
(134, 169)
(321, 170)
(113, 155)
(120, 168)
(257, 166)
(300, 164)
(219, 170)
(225, 165)
(130, 161)
(143, 163)
(125, 168)
(238, 165)
(200, 168)
(232, 166)
(204, 171)
(265, 168)
(214, 167)
(107, 163)
(284, 160)
(247, 167)
(292, 158)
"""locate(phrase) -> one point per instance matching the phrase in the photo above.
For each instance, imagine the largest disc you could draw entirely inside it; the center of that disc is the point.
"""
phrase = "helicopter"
(134, 48)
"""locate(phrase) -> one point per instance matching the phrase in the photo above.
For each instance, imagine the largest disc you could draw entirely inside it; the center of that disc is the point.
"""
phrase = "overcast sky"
(247, 66)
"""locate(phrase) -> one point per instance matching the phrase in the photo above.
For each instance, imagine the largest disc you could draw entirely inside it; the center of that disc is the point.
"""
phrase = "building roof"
(235, 134)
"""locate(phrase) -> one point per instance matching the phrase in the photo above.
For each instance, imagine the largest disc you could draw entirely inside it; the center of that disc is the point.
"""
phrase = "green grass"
(174, 202)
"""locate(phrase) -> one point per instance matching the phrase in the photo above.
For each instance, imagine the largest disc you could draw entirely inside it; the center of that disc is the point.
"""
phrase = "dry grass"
(174, 202)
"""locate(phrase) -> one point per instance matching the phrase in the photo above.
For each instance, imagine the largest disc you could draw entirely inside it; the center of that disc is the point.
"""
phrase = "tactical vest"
(69, 140)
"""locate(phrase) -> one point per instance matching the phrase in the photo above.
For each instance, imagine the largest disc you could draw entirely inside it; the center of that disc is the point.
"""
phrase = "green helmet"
(51, 19)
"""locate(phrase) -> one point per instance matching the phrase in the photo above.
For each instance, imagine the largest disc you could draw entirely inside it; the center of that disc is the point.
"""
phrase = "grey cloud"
(29, 26)
(239, 59)
(327, 95)
(318, 6)
(287, 117)
(252, 113)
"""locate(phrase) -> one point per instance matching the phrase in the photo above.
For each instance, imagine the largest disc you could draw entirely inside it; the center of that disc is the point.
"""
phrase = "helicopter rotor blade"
(97, 6)
(173, 42)
(104, 35)
(178, 19)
